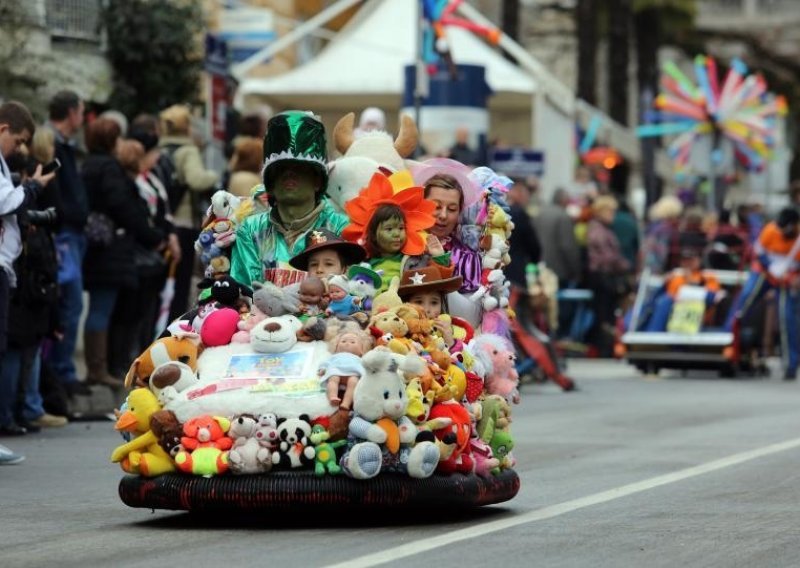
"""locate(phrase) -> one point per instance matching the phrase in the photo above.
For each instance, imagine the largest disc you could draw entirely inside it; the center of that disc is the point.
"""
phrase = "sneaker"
(7, 457)
(50, 421)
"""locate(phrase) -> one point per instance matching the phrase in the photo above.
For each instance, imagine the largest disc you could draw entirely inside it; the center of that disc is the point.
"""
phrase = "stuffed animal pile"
(335, 381)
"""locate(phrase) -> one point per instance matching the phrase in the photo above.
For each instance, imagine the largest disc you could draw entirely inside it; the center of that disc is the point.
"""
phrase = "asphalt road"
(629, 471)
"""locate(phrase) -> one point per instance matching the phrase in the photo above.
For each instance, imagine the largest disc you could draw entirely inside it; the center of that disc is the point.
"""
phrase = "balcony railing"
(74, 19)
(717, 14)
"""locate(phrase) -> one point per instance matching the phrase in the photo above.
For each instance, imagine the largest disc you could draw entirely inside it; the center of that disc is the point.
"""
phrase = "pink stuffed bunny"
(498, 360)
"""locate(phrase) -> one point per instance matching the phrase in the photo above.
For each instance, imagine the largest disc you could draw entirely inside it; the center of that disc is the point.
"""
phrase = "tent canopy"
(366, 61)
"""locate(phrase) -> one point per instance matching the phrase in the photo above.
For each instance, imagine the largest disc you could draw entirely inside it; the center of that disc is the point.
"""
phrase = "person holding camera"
(16, 128)
(34, 302)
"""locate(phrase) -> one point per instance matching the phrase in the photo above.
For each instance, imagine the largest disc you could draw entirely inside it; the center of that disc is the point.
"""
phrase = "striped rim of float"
(304, 490)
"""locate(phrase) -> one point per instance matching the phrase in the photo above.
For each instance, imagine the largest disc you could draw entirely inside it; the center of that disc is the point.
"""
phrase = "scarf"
(292, 230)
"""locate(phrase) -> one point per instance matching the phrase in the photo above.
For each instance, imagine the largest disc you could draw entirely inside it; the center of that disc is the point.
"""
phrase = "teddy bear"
(499, 362)
(219, 228)
(325, 451)
(168, 430)
(495, 415)
(206, 432)
(275, 334)
(391, 330)
(185, 349)
(294, 447)
(382, 437)
(247, 455)
(268, 301)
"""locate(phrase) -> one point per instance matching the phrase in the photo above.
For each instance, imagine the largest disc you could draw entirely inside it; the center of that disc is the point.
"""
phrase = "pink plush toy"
(497, 358)
(219, 326)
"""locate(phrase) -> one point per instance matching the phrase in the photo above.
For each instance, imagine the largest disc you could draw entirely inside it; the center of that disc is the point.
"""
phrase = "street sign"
(216, 57)
(517, 162)
(247, 30)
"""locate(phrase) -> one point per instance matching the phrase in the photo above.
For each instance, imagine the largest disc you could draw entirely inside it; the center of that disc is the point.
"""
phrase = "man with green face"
(295, 178)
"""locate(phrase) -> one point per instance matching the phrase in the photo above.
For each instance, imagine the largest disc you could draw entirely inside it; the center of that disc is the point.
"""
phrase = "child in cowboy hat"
(327, 254)
(426, 288)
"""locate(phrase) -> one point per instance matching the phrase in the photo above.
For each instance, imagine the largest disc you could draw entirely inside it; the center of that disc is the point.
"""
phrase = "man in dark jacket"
(524, 242)
(66, 118)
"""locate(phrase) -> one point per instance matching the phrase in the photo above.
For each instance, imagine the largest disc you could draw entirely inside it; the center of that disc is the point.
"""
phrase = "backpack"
(167, 172)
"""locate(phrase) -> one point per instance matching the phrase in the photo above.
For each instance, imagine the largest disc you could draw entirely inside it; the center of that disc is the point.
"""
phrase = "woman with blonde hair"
(661, 235)
(608, 271)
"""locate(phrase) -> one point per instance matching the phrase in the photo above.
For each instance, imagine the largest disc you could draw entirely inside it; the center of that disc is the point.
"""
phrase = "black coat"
(112, 192)
(525, 247)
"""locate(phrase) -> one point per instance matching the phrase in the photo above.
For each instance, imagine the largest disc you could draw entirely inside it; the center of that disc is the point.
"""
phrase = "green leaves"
(154, 48)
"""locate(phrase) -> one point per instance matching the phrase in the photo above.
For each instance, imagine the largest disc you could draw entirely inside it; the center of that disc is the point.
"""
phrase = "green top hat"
(298, 136)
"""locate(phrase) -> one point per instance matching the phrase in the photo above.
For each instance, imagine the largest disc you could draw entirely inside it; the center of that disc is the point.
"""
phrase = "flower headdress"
(417, 210)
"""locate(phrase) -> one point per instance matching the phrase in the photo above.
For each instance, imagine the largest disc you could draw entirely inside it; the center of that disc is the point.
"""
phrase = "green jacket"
(260, 247)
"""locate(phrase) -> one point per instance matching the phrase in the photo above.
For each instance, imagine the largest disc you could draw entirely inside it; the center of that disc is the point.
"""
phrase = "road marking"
(420, 546)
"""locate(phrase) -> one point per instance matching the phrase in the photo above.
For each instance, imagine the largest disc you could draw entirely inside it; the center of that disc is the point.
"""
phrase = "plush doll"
(275, 334)
(312, 297)
(268, 301)
(495, 416)
(387, 299)
(460, 459)
(185, 349)
(219, 327)
(377, 145)
(341, 303)
(364, 282)
(142, 455)
(502, 443)
(485, 462)
(391, 330)
(343, 369)
(267, 431)
(247, 455)
(382, 437)
(203, 461)
(226, 292)
(168, 430)
(325, 451)
(294, 447)
(206, 432)
(498, 359)
(346, 177)
(170, 379)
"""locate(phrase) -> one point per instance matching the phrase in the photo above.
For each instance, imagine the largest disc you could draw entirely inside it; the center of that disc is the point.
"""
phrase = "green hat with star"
(294, 135)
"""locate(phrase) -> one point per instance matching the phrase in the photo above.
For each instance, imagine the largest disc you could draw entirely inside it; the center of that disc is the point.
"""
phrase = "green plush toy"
(325, 458)
(502, 443)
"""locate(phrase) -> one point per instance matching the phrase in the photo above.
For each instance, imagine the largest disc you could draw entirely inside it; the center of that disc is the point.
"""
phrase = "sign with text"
(517, 162)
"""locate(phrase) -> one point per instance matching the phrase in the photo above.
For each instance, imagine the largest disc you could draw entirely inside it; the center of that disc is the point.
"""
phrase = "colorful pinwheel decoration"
(438, 15)
(740, 110)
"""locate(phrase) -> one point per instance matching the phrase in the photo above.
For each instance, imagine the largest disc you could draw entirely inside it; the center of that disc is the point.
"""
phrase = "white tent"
(364, 66)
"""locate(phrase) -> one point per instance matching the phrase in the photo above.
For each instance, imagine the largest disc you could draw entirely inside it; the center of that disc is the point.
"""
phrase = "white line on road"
(423, 545)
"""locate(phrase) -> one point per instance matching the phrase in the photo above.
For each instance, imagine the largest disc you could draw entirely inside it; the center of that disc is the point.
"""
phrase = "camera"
(42, 218)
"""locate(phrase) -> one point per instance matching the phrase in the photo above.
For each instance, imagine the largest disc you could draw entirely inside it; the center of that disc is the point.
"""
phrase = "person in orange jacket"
(689, 273)
(776, 265)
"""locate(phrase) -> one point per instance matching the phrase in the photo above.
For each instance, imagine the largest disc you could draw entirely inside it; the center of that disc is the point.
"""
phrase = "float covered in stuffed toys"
(251, 402)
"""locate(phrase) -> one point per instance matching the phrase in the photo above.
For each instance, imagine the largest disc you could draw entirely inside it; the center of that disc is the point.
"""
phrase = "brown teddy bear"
(168, 430)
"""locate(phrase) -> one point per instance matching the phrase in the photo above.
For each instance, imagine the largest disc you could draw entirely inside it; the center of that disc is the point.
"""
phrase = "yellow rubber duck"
(143, 454)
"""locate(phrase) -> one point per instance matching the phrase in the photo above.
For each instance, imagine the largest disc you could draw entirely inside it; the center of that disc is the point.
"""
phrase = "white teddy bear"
(275, 335)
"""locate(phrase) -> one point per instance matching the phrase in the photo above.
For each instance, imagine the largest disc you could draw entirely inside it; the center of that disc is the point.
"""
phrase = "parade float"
(288, 389)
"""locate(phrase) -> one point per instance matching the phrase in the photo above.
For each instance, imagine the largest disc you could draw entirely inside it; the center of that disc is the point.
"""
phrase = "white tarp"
(369, 55)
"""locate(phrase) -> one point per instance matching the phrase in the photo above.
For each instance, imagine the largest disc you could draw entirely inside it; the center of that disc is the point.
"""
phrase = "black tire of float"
(305, 491)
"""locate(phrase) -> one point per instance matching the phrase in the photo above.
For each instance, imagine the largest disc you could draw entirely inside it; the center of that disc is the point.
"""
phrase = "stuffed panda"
(294, 448)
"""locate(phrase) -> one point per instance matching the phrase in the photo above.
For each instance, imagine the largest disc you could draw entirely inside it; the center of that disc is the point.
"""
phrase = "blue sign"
(216, 59)
(468, 89)
(517, 162)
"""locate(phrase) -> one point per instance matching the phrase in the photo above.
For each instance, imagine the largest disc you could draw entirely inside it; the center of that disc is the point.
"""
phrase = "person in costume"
(689, 273)
(777, 265)
(390, 225)
(327, 254)
(295, 177)
(427, 288)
